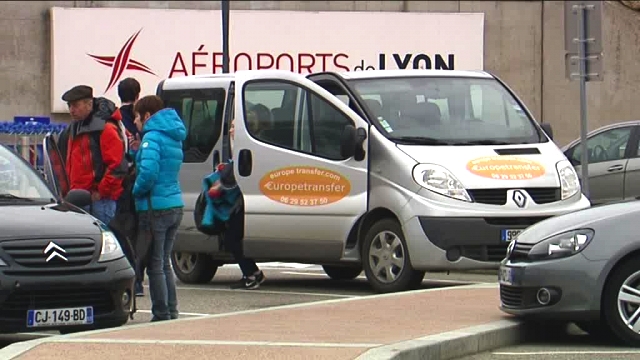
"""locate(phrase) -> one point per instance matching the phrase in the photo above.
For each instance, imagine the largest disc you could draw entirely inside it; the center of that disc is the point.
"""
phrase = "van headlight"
(562, 245)
(2, 263)
(569, 181)
(111, 249)
(438, 179)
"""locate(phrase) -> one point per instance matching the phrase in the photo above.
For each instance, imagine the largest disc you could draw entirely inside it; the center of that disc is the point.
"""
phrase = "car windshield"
(447, 111)
(19, 181)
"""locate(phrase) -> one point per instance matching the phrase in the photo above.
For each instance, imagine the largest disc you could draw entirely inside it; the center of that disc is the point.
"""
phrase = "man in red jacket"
(93, 149)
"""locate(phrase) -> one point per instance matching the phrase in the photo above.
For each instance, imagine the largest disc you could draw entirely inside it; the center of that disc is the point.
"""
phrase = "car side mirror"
(547, 129)
(348, 142)
(78, 197)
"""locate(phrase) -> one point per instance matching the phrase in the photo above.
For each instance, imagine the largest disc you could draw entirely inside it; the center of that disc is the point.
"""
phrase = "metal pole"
(582, 15)
(225, 36)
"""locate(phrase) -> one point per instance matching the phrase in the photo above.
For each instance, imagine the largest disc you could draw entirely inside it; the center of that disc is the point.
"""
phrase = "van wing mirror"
(360, 152)
(348, 142)
(547, 129)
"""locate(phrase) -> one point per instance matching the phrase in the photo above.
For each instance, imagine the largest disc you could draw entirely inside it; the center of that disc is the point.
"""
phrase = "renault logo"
(519, 198)
(53, 250)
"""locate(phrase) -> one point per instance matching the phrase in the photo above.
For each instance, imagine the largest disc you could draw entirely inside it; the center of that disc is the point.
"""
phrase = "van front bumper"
(468, 238)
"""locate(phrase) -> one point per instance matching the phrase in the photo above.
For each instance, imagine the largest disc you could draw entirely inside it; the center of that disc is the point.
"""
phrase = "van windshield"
(447, 111)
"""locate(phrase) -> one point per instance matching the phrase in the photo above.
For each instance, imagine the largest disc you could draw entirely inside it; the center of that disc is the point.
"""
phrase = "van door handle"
(216, 158)
(245, 162)
(614, 168)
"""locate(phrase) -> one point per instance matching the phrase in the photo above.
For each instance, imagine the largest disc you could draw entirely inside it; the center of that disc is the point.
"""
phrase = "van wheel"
(386, 260)
(621, 302)
(193, 268)
(342, 272)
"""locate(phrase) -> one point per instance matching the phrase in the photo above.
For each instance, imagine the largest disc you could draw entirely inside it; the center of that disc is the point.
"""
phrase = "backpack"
(96, 155)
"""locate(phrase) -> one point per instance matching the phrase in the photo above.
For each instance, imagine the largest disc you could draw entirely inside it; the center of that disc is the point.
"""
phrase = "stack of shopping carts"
(25, 135)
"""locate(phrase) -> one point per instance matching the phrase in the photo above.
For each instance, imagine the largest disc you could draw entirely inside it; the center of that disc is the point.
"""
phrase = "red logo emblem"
(122, 62)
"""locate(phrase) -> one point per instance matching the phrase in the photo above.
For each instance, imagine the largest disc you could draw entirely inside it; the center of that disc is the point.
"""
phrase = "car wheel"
(621, 302)
(342, 272)
(386, 260)
(193, 268)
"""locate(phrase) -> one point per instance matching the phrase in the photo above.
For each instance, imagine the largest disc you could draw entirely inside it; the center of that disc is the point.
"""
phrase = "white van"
(391, 172)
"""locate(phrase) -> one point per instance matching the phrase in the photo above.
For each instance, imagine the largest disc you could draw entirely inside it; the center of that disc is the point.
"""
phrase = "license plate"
(60, 317)
(505, 276)
(509, 234)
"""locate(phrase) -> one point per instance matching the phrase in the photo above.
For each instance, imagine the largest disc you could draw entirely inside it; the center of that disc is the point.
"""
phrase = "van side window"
(202, 111)
(295, 119)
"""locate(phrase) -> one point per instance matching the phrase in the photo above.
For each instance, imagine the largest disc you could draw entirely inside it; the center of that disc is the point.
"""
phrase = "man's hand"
(134, 144)
(95, 196)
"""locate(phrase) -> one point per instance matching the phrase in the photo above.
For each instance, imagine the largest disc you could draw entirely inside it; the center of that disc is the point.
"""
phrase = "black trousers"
(233, 243)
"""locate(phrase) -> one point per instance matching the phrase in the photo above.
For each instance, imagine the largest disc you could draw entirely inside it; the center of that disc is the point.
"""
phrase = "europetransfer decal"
(304, 186)
(506, 168)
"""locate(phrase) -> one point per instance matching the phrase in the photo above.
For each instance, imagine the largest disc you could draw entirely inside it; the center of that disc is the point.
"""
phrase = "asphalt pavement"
(285, 284)
(574, 345)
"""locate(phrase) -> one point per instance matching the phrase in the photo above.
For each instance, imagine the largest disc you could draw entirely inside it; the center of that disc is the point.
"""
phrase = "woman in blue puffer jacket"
(157, 188)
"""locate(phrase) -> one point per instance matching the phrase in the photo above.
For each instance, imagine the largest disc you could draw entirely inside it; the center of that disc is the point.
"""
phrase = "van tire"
(406, 278)
(342, 272)
(201, 268)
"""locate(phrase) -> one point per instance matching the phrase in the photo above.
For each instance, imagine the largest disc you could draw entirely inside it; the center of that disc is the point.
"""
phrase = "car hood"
(55, 220)
(587, 218)
(484, 166)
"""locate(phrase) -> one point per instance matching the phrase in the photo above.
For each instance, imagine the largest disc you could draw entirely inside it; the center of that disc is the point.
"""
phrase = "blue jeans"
(162, 287)
(103, 209)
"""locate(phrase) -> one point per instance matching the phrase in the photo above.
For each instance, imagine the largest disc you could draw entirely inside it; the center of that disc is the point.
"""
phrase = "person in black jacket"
(129, 93)
(252, 276)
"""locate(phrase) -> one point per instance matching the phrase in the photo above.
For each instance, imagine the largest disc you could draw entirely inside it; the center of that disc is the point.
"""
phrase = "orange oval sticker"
(506, 168)
(304, 186)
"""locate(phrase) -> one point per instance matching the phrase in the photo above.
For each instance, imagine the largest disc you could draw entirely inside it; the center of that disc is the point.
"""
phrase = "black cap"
(78, 93)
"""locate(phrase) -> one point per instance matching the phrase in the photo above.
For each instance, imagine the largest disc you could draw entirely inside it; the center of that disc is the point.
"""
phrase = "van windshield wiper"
(7, 196)
(420, 140)
(484, 142)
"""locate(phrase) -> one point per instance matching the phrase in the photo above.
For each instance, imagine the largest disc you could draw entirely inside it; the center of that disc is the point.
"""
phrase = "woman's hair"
(149, 104)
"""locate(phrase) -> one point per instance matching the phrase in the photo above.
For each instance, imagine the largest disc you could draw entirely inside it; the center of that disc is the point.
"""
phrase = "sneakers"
(139, 289)
(249, 283)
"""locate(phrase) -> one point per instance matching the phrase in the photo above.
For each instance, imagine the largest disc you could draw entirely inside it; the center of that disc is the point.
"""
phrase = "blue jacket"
(218, 209)
(158, 162)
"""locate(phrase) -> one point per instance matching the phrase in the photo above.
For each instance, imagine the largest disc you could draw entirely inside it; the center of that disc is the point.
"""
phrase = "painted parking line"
(181, 313)
(37, 334)
(363, 277)
(272, 292)
(585, 352)
(215, 342)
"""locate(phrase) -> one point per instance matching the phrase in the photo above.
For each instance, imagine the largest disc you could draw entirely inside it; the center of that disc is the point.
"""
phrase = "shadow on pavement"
(328, 285)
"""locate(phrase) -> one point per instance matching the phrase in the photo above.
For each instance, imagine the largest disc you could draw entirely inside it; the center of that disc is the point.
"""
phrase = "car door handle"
(614, 168)
(245, 162)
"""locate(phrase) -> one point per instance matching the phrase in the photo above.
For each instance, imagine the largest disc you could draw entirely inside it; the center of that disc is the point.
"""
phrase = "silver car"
(582, 267)
(614, 161)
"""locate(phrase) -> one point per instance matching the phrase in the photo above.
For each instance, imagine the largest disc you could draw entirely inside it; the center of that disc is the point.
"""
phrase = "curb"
(453, 344)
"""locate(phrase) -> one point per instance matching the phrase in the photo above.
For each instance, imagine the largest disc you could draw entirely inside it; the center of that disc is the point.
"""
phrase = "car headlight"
(111, 249)
(2, 263)
(438, 179)
(562, 245)
(569, 181)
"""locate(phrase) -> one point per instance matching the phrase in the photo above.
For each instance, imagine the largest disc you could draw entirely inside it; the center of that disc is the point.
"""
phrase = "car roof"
(603, 129)
(370, 74)
(210, 79)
